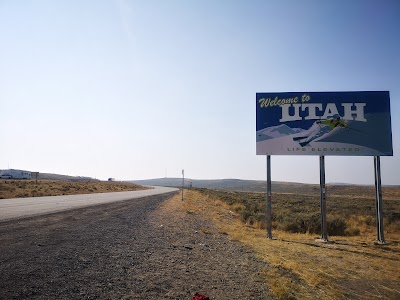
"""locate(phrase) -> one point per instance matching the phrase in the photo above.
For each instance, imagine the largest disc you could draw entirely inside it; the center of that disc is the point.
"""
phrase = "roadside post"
(183, 181)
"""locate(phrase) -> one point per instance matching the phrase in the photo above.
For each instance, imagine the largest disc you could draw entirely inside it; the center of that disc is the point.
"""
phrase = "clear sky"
(143, 89)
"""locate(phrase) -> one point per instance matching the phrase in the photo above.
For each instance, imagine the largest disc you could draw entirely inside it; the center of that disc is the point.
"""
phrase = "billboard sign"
(324, 123)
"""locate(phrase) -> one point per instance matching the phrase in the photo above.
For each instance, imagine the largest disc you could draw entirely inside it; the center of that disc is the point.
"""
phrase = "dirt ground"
(139, 249)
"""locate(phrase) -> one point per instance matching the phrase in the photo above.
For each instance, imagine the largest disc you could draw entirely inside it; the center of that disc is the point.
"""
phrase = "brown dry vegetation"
(299, 267)
(334, 190)
(31, 188)
(348, 214)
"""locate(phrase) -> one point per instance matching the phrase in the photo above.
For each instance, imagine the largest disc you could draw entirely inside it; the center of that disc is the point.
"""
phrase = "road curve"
(24, 207)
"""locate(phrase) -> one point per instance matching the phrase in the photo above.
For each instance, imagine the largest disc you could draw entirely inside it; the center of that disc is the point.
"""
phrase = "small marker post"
(183, 181)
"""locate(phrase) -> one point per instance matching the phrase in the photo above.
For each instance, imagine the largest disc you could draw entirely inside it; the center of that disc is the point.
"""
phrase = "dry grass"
(31, 188)
(299, 267)
(348, 215)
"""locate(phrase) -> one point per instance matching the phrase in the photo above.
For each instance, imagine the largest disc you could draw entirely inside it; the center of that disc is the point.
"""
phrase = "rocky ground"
(140, 249)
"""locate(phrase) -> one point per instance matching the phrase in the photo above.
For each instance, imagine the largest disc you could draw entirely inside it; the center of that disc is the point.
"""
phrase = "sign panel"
(324, 123)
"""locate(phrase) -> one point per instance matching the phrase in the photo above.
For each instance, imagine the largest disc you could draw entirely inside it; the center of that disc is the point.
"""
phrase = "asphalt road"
(24, 207)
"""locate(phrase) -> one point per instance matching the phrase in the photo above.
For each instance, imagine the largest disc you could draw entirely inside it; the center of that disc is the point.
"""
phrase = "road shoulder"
(204, 260)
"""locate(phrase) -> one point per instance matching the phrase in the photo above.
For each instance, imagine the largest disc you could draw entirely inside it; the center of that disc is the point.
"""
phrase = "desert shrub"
(336, 226)
(261, 217)
(244, 215)
(392, 217)
(7, 188)
(311, 223)
(393, 226)
(22, 195)
(251, 221)
(295, 225)
(301, 223)
(352, 231)
(238, 207)
(369, 220)
(260, 225)
(300, 213)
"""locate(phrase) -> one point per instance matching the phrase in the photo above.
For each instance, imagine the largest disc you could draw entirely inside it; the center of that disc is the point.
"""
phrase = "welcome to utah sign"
(324, 123)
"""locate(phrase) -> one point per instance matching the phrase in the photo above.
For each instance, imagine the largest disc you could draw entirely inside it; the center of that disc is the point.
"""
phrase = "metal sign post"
(35, 175)
(269, 199)
(378, 203)
(324, 229)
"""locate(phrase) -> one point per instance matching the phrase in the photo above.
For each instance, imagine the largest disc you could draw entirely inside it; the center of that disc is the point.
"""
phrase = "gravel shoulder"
(137, 249)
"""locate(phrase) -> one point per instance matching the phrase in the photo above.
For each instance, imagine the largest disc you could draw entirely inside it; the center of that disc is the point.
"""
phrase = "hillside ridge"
(258, 185)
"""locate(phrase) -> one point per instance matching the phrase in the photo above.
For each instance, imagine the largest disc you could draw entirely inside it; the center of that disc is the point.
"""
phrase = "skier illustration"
(333, 123)
(320, 128)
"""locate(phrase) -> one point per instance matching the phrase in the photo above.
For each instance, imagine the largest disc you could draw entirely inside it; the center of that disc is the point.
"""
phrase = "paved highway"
(24, 207)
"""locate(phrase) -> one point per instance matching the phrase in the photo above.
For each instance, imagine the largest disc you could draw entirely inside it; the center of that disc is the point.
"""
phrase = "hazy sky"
(142, 89)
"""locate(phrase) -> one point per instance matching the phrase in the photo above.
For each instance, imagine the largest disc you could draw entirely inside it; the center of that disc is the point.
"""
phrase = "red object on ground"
(198, 296)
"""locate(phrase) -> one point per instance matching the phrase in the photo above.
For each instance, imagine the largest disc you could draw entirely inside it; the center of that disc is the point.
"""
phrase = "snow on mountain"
(276, 131)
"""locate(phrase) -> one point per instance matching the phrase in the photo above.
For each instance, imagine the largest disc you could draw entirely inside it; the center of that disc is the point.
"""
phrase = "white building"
(15, 174)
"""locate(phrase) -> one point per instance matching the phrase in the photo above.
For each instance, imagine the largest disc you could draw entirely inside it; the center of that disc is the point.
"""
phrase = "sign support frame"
(269, 199)
(378, 201)
(324, 228)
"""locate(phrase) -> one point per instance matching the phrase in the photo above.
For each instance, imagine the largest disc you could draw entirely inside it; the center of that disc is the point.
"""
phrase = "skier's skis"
(304, 144)
(299, 138)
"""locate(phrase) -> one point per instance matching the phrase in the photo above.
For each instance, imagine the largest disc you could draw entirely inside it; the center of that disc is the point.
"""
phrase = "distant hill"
(392, 192)
(234, 185)
(50, 176)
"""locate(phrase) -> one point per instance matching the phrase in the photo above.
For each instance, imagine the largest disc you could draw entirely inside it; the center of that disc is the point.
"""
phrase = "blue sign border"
(324, 123)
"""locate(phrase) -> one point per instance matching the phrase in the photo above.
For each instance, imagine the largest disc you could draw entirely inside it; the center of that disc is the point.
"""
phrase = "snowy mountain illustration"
(276, 131)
